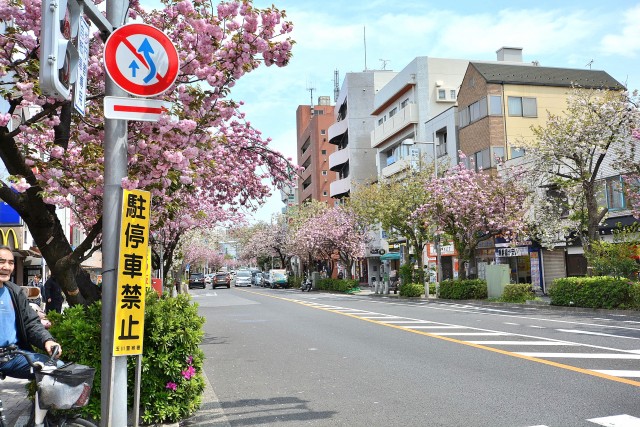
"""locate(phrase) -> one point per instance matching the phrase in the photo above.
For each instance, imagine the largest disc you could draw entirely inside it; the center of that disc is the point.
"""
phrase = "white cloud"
(626, 42)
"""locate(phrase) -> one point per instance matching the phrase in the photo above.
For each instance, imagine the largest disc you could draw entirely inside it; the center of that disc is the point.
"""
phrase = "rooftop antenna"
(589, 64)
(384, 63)
(336, 85)
(311, 89)
(365, 47)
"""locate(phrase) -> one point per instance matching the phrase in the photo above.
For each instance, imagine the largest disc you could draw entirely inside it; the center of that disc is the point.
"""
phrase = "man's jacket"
(29, 329)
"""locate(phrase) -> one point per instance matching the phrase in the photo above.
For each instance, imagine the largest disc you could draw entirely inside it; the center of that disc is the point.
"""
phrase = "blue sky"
(330, 35)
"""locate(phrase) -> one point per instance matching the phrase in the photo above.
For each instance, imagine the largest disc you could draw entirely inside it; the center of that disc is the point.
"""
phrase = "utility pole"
(114, 368)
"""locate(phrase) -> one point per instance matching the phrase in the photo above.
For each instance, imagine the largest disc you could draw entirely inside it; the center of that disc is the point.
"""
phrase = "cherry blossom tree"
(568, 157)
(470, 207)
(391, 204)
(199, 157)
(335, 231)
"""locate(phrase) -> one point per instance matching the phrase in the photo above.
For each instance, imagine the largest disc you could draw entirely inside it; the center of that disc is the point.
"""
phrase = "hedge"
(463, 289)
(337, 285)
(517, 293)
(411, 290)
(595, 292)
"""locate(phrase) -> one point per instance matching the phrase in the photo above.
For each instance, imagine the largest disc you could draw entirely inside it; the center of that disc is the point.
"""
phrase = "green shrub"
(294, 281)
(432, 288)
(517, 293)
(463, 289)
(337, 285)
(172, 381)
(595, 292)
(411, 290)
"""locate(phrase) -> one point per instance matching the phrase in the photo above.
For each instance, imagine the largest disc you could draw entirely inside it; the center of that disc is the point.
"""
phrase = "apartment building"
(354, 160)
(313, 151)
(422, 91)
(498, 103)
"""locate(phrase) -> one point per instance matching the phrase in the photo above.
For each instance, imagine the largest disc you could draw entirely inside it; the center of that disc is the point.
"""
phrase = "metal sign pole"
(114, 369)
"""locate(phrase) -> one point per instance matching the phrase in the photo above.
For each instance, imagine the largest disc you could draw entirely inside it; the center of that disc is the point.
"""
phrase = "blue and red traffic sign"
(141, 60)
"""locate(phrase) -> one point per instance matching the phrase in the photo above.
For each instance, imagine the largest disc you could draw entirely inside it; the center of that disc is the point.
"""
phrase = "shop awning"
(391, 255)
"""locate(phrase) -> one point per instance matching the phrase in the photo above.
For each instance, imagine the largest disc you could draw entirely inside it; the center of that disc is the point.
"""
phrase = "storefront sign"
(510, 252)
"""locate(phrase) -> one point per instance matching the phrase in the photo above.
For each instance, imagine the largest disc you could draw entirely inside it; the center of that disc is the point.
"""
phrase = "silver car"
(243, 278)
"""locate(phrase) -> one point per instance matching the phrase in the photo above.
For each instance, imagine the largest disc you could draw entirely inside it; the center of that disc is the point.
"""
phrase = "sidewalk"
(13, 394)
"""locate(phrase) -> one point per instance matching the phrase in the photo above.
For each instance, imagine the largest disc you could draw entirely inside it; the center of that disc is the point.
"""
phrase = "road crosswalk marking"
(582, 355)
(623, 420)
(515, 342)
(619, 373)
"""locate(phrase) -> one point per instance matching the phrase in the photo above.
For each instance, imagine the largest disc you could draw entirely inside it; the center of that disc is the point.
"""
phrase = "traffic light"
(58, 53)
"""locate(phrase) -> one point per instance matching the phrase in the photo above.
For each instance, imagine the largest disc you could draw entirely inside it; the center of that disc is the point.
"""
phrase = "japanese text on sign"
(132, 266)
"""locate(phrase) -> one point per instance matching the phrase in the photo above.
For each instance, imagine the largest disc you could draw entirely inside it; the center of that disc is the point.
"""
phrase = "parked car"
(243, 278)
(196, 280)
(222, 278)
(278, 279)
(265, 279)
(256, 277)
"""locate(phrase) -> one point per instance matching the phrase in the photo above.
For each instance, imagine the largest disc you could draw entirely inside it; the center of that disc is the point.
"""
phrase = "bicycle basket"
(65, 388)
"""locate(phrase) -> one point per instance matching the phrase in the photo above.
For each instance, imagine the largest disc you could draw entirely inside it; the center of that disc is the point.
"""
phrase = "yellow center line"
(453, 340)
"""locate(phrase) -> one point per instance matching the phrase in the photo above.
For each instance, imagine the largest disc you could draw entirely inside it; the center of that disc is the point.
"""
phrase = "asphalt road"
(282, 357)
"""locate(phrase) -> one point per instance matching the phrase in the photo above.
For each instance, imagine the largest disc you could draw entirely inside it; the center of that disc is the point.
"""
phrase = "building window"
(318, 112)
(323, 131)
(441, 142)
(324, 151)
(517, 152)
(404, 103)
(393, 111)
(611, 193)
(522, 107)
(324, 173)
(452, 94)
(324, 193)
(380, 121)
(495, 105)
(442, 94)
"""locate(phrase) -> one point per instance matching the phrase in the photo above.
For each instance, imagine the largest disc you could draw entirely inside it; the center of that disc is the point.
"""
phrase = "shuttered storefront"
(553, 265)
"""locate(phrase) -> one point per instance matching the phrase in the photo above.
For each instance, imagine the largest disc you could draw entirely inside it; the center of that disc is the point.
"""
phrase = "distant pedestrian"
(35, 282)
(54, 295)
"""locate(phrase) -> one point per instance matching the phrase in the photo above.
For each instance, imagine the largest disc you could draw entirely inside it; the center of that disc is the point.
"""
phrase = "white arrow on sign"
(145, 110)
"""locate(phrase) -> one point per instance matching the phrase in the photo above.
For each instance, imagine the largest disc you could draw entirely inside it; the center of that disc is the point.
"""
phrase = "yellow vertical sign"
(132, 266)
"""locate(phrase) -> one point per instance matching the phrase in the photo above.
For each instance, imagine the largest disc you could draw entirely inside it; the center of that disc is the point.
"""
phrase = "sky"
(330, 35)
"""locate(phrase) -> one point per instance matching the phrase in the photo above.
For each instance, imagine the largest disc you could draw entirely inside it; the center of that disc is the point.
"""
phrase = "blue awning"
(391, 255)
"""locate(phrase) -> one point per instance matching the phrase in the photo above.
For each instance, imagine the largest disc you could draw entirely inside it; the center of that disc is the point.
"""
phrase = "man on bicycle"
(19, 323)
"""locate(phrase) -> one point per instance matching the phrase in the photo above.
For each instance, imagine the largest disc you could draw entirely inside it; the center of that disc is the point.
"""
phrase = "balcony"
(396, 167)
(405, 117)
(340, 188)
(338, 159)
(337, 129)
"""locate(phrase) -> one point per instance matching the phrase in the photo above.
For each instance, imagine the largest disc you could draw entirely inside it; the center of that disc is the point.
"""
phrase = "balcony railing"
(395, 167)
(338, 158)
(340, 187)
(403, 118)
(337, 129)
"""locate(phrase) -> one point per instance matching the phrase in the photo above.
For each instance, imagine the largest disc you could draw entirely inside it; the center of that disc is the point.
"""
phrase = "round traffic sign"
(141, 59)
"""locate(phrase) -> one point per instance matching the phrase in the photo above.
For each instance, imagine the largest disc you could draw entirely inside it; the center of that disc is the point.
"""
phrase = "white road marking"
(537, 327)
(514, 324)
(614, 373)
(523, 343)
(473, 334)
(623, 420)
(438, 327)
(583, 355)
(399, 322)
(575, 331)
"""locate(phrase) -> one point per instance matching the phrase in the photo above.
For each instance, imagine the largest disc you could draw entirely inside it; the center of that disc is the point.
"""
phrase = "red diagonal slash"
(135, 109)
(133, 50)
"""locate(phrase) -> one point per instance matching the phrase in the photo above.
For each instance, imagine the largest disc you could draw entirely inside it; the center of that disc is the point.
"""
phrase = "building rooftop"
(545, 76)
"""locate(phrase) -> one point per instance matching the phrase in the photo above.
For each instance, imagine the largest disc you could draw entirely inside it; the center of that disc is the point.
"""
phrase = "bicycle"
(66, 387)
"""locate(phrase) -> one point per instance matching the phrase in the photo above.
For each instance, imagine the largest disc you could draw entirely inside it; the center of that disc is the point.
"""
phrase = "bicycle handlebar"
(13, 350)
